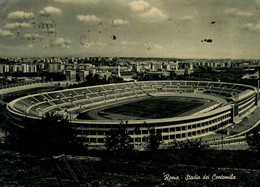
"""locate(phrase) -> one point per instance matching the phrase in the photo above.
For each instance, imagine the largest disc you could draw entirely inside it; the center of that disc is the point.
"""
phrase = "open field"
(149, 108)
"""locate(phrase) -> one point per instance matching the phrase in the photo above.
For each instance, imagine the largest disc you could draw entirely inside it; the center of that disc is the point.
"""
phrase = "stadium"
(178, 109)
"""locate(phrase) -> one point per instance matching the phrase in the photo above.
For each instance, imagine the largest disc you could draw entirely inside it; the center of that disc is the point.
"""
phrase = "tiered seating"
(80, 97)
(151, 83)
(227, 85)
(47, 97)
(82, 91)
(21, 106)
(40, 98)
(238, 88)
(44, 105)
(163, 83)
(138, 90)
(69, 93)
(70, 106)
(140, 84)
(189, 91)
(87, 102)
(30, 101)
(55, 110)
(67, 99)
(107, 87)
(55, 95)
(92, 95)
(58, 101)
(178, 83)
(203, 84)
(191, 84)
(39, 108)
(96, 89)
(123, 93)
(214, 84)
(97, 99)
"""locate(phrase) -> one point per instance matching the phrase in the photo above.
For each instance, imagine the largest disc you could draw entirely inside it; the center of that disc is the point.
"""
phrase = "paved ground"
(247, 122)
(237, 146)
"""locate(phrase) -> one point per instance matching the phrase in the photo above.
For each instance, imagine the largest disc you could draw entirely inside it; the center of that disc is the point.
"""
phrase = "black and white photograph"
(129, 93)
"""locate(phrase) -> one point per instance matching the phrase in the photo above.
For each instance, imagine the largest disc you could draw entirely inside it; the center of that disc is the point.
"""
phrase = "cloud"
(5, 33)
(88, 18)
(51, 30)
(50, 11)
(187, 18)
(48, 26)
(11, 26)
(150, 46)
(157, 46)
(77, 1)
(244, 14)
(235, 12)
(119, 22)
(95, 44)
(154, 13)
(61, 42)
(20, 15)
(252, 27)
(146, 12)
(128, 43)
(139, 6)
(147, 45)
(32, 36)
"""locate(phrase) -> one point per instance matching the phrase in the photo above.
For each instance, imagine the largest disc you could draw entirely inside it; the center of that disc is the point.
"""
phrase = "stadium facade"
(233, 103)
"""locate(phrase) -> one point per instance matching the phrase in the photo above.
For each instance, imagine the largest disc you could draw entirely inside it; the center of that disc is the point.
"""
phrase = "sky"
(130, 28)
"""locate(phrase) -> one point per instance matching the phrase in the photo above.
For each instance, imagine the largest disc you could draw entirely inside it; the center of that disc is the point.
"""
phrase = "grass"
(138, 169)
(156, 107)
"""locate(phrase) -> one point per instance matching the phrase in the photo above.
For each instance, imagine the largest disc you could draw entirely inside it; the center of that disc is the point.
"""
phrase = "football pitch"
(149, 108)
(156, 107)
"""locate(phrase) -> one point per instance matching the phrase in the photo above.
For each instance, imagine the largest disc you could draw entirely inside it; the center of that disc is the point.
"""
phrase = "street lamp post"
(137, 131)
(222, 138)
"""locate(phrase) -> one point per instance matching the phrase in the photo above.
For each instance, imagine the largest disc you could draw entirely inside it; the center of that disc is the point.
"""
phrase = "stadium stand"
(234, 102)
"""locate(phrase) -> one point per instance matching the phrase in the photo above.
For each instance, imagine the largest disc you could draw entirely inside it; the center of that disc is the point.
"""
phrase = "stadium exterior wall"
(94, 132)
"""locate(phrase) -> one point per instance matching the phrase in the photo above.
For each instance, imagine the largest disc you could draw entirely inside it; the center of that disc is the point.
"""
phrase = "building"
(83, 74)
(2, 68)
(25, 68)
(53, 68)
(104, 75)
(233, 103)
(70, 75)
(33, 68)
(7, 68)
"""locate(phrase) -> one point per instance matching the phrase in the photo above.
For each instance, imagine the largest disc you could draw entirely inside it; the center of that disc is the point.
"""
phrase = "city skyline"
(152, 28)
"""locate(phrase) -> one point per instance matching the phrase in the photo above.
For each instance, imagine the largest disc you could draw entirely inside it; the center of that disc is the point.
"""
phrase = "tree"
(253, 140)
(155, 139)
(51, 135)
(189, 151)
(119, 141)
(189, 145)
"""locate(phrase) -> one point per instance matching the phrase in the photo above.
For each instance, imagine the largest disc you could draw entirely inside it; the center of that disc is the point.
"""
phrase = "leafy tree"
(114, 79)
(155, 139)
(253, 140)
(189, 145)
(119, 141)
(189, 151)
(51, 135)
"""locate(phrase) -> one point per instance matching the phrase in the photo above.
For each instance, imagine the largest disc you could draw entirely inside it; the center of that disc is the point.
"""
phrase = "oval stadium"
(178, 109)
